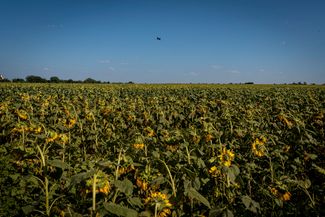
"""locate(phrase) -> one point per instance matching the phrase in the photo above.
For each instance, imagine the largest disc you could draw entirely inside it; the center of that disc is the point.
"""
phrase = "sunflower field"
(161, 150)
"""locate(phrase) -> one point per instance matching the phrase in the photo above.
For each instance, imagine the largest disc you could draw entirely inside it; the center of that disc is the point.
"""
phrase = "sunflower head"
(138, 146)
(286, 196)
(158, 197)
(258, 146)
(226, 157)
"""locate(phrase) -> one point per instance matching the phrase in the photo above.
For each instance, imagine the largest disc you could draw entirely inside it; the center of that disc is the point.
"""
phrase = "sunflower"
(138, 146)
(52, 137)
(37, 130)
(70, 122)
(165, 212)
(226, 157)
(274, 191)
(286, 196)
(102, 183)
(172, 148)
(258, 146)
(158, 197)
(285, 121)
(64, 138)
(142, 184)
(208, 138)
(150, 132)
(22, 114)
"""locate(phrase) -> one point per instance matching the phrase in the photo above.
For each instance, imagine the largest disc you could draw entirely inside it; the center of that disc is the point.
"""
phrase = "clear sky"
(219, 41)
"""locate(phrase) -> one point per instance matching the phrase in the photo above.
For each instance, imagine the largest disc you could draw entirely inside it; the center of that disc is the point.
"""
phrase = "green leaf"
(319, 169)
(120, 210)
(58, 164)
(200, 163)
(216, 211)
(105, 164)
(158, 181)
(196, 195)
(304, 183)
(27, 209)
(250, 204)
(145, 214)
(124, 186)
(156, 154)
(14, 177)
(279, 202)
(311, 156)
(135, 201)
(33, 180)
(227, 213)
(76, 179)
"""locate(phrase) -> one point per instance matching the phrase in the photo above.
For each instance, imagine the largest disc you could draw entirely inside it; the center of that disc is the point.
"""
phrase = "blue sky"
(264, 41)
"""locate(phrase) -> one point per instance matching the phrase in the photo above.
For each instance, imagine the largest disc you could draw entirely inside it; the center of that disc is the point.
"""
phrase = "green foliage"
(164, 150)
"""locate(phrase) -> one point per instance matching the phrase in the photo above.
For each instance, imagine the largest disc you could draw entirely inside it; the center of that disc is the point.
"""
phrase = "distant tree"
(4, 80)
(250, 82)
(55, 79)
(18, 80)
(130, 82)
(90, 81)
(35, 79)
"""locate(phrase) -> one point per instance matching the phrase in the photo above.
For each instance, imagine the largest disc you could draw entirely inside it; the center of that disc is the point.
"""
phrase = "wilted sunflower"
(142, 184)
(172, 148)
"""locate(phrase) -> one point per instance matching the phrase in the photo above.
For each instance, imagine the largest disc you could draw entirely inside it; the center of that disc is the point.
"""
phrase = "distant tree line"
(54, 79)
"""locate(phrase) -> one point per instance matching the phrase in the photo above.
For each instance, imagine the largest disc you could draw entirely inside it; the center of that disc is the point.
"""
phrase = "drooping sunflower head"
(22, 114)
(52, 136)
(102, 183)
(164, 212)
(158, 198)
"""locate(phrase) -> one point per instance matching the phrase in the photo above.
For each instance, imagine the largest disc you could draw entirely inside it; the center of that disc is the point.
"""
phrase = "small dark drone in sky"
(158, 38)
